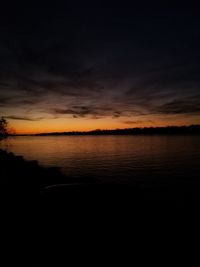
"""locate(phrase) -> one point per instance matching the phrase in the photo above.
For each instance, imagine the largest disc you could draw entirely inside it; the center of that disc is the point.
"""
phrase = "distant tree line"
(169, 130)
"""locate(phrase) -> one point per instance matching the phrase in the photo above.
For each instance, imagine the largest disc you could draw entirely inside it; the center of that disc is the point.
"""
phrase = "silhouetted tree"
(3, 128)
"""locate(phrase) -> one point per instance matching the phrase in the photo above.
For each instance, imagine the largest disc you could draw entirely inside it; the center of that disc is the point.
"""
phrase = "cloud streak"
(190, 106)
(23, 118)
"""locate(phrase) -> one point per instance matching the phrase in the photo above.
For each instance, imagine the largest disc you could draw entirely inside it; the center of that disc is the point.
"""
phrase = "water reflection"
(119, 158)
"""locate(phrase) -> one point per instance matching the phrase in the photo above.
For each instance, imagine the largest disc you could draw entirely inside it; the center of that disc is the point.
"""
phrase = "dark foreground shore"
(42, 208)
(27, 175)
(29, 179)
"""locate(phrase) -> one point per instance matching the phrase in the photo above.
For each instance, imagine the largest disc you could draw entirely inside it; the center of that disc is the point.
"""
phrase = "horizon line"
(117, 130)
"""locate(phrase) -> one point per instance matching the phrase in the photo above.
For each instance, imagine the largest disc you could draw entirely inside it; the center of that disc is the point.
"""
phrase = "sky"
(69, 68)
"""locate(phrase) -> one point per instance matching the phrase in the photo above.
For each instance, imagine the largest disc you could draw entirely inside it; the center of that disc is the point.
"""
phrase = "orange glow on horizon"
(86, 124)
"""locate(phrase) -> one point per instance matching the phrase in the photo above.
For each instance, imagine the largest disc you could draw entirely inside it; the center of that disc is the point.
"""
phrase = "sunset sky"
(65, 68)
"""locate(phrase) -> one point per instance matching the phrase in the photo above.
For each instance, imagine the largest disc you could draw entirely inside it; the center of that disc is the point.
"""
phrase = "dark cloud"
(87, 111)
(190, 106)
(23, 118)
(137, 121)
(166, 81)
(100, 62)
(151, 92)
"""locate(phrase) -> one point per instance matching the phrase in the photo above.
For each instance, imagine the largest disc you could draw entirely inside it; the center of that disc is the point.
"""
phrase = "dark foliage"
(3, 128)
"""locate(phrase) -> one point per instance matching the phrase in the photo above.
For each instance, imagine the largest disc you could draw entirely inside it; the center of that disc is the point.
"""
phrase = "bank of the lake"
(28, 180)
(23, 175)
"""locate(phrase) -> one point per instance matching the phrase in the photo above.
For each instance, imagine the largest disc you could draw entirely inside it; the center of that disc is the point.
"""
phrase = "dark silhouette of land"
(168, 130)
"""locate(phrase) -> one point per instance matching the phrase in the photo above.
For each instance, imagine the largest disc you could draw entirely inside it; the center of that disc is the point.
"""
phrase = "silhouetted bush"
(3, 128)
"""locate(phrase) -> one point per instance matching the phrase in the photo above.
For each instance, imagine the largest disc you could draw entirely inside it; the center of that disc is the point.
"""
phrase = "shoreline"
(17, 172)
(28, 180)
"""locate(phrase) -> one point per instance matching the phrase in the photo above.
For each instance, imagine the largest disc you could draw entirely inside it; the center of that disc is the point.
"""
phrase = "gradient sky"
(65, 68)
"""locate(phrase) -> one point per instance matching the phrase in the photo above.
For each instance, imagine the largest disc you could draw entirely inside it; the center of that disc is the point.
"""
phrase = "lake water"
(114, 158)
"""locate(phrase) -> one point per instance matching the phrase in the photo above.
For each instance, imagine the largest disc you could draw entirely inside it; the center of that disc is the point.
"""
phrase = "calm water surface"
(118, 158)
